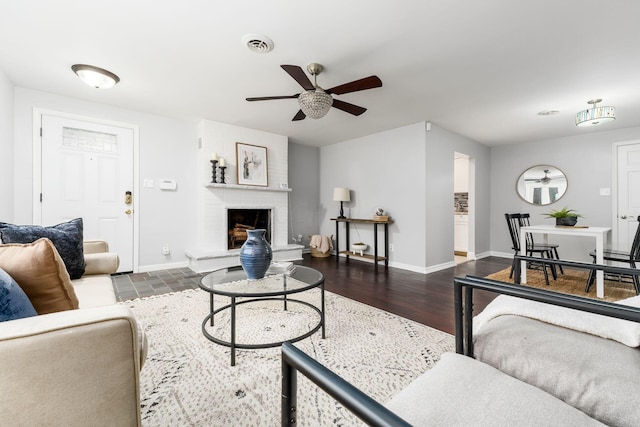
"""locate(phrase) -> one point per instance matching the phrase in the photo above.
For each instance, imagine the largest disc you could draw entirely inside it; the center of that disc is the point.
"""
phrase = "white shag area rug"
(188, 380)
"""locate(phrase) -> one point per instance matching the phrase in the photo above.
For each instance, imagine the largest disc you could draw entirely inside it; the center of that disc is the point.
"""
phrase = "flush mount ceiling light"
(95, 76)
(596, 115)
(258, 43)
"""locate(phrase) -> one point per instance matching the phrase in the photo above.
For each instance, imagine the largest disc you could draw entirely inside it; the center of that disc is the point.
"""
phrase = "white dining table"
(600, 234)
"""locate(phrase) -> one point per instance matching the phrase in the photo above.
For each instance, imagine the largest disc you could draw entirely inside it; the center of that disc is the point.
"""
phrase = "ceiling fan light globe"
(315, 104)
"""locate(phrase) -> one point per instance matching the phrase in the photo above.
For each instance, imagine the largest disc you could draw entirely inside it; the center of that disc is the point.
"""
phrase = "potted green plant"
(564, 216)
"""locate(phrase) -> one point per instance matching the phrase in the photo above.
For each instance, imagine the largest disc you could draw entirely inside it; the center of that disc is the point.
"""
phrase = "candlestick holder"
(222, 168)
(214, 164)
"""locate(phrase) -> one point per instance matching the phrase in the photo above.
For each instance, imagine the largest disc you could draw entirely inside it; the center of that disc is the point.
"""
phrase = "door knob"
(128, 211)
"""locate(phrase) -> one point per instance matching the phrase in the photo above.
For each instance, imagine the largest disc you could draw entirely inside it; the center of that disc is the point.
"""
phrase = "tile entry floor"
(138, 285)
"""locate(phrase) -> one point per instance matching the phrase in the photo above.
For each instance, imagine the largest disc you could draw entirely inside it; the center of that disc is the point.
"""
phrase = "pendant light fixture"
(315, 103)
(596, 115)
(95, 76)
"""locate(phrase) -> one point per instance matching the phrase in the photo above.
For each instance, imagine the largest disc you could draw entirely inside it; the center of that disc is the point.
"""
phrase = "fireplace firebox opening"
(241, 220)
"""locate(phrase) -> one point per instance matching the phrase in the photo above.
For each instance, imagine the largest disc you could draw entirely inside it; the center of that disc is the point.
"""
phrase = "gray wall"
(439, 164)
(586, 160)
(6, 148)
(382, 170)
(304, 179)
(408, 172)
(168, 149)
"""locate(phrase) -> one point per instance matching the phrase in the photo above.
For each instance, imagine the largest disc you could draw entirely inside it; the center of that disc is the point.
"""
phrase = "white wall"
(6, 148)
(168, 149)
(212, 224)
(587, 163)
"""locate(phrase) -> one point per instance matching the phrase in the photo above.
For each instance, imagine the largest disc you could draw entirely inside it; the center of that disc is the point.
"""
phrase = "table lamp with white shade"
(341, 195)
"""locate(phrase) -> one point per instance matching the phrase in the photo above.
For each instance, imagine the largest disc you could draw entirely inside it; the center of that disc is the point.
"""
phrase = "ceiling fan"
(314, 101)
(545, 179)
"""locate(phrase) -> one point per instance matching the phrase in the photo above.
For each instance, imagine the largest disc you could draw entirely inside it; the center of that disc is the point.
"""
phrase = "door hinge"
(40, 197)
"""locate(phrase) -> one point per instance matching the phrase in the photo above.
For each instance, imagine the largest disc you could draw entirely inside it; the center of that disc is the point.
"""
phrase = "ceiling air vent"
(258, 43)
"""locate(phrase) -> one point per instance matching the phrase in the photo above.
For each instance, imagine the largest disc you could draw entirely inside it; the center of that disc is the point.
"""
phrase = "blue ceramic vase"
(255, 254)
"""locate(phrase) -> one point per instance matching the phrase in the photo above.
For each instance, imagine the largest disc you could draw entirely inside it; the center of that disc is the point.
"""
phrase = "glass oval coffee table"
(232, 282)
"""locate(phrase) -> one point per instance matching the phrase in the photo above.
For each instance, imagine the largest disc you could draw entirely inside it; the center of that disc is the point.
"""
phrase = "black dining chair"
(551, 247)
(632, 257)
(513, 222)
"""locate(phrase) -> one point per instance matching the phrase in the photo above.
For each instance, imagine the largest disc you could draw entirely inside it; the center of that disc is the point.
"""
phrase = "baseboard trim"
(168, 266)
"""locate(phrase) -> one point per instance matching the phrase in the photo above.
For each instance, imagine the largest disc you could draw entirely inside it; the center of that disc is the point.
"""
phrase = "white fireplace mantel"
(246, 187)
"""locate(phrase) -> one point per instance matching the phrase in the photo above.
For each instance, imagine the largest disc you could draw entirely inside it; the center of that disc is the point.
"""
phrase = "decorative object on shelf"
(359, 248)
(251, 161)
(223, 166)
(564, 216)
(341, 195)
(380, 216)
(541, 185)
(256, 254)
(596, 115)
(95, 76)
(214, 171)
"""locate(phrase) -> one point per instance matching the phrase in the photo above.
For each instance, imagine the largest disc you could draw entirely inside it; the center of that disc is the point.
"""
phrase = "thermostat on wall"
(167, 184)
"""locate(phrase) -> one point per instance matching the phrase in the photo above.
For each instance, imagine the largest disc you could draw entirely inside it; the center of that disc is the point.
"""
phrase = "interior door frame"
(37, 167)
(614, 189)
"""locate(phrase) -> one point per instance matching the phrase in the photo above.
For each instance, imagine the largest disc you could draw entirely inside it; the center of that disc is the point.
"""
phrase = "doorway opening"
(463, 172)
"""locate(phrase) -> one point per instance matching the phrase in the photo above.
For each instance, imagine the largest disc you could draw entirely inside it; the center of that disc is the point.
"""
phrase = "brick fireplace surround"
(215, 199)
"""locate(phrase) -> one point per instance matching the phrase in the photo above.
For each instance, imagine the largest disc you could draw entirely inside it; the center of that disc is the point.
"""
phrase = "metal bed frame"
(374, 413)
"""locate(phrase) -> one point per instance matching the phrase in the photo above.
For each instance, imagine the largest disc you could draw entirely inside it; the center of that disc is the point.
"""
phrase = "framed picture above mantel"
(252, 164)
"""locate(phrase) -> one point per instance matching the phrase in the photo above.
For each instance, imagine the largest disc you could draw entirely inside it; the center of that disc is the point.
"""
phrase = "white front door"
(87, 172)
(628, 194)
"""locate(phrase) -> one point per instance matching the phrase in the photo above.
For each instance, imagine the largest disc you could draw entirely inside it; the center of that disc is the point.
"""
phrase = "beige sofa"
(76, 367)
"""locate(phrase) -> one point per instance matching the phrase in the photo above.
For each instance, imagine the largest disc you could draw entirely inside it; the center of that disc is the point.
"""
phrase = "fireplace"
(241, 220)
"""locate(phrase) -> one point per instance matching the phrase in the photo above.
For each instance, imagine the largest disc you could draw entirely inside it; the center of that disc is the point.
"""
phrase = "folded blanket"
(321, 243)
(623, 331)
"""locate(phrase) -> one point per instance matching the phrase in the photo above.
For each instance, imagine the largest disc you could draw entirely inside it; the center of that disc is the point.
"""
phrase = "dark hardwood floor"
(424, 298)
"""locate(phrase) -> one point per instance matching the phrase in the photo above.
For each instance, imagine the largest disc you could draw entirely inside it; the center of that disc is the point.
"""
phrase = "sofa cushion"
(596, 375)
(14, 303)
(94, 291)
(67, 238)
(39, 270)
(460, 391)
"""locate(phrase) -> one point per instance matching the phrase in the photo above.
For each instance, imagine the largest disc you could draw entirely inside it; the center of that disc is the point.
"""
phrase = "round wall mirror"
(541, 185)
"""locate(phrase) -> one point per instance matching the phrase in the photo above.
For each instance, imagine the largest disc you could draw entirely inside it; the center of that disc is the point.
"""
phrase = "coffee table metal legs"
(322, 308)
(233, 331)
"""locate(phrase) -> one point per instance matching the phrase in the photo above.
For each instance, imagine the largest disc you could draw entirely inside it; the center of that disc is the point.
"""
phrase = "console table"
(375, 256)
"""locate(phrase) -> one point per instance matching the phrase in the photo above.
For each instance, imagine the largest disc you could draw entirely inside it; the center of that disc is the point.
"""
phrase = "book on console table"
(283, 267)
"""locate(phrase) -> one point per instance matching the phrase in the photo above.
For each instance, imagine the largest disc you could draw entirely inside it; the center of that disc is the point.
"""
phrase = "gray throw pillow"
(14, 303)
(66, 237)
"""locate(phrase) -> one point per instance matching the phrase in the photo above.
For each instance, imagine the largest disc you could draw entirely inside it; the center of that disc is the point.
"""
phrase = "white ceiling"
(482, 69)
